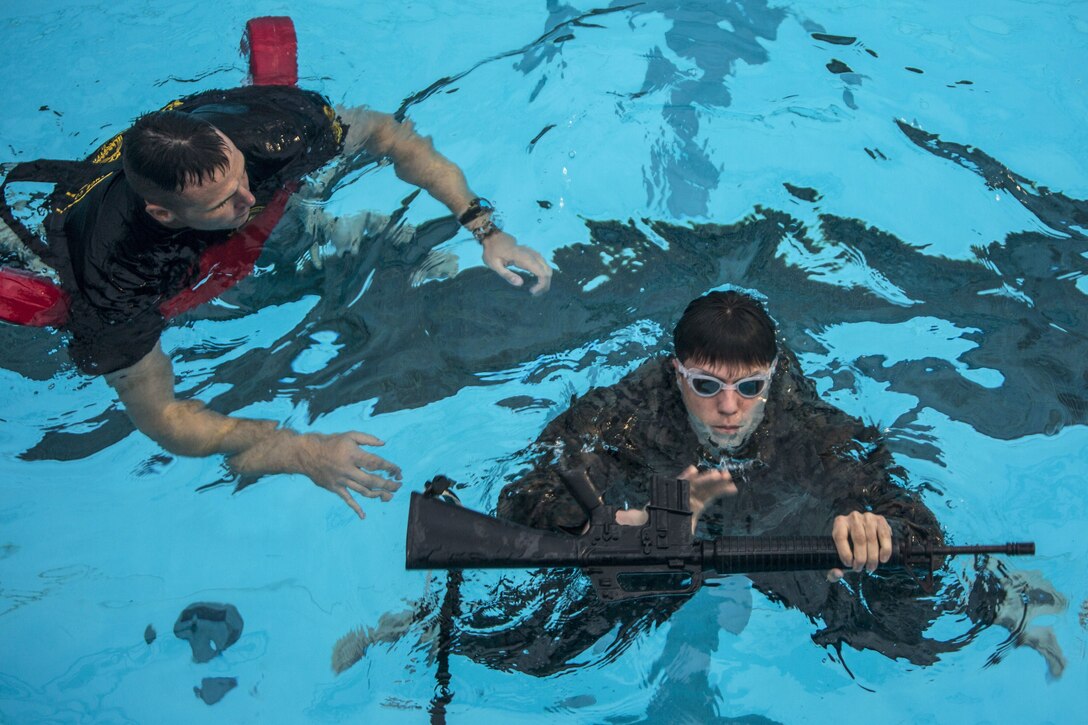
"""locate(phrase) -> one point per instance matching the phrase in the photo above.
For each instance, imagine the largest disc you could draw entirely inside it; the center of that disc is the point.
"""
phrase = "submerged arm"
(417, 162)
(254, 447)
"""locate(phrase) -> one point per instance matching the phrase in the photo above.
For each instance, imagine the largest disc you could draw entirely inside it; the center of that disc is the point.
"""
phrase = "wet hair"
(726, 329)
(166, 152)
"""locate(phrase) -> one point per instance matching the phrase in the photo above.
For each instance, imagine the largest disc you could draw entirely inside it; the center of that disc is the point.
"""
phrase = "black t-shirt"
(122, 264)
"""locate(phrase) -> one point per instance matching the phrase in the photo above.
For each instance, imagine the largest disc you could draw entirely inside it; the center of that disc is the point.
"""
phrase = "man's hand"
(863, 540)
(705, 487)
(333, 462)
(501, 252)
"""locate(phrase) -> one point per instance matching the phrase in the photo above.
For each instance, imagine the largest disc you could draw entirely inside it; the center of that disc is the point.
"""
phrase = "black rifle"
(660, 557)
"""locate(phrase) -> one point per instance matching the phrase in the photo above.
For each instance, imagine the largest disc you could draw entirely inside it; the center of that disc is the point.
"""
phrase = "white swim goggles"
(707, 386)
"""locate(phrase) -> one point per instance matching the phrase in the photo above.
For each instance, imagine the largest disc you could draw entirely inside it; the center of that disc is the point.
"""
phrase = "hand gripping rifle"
(660, 557)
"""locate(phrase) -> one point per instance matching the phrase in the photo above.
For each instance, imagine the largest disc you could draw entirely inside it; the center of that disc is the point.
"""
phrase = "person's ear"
(160, 213)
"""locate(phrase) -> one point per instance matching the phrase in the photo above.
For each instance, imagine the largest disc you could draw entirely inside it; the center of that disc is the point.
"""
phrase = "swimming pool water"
(925, 282)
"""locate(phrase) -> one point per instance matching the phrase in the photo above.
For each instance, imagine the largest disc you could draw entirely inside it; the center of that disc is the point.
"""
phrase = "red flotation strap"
(224, 265)
(30, 299)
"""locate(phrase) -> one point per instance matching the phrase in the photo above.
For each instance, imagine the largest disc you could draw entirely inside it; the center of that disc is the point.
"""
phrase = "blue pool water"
(923, 168)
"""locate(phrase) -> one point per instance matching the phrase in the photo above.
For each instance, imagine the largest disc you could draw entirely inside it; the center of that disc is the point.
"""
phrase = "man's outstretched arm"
(416, 162)
(253, 447)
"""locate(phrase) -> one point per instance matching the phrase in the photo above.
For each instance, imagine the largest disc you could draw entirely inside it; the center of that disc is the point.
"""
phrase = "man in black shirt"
(189, 176)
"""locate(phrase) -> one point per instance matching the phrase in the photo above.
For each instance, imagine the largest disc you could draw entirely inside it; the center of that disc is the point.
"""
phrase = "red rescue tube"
(30, 299)
(272, 47)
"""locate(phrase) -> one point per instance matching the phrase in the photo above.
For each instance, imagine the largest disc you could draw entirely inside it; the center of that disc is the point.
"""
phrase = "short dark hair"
(725, 328)
(167, 151)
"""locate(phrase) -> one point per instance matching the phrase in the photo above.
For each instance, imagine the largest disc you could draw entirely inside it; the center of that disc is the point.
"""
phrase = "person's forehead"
(728, 372)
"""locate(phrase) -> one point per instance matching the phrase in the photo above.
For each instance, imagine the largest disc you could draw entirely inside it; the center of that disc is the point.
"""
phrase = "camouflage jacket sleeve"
(861, 475)
(611, 431)
(842, 460)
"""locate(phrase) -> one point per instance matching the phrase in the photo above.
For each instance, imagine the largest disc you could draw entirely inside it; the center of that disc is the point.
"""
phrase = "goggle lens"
(706, 387)
(751, 388)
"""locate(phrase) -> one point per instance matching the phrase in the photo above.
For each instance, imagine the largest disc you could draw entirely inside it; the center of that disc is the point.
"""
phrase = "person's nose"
(728, 402)
(247, 197)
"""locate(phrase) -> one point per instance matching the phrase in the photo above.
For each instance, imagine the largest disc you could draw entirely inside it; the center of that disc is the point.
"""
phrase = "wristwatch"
(477, 208)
